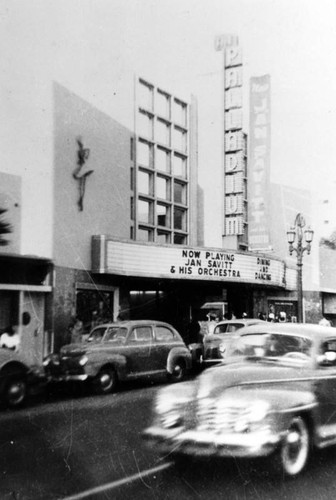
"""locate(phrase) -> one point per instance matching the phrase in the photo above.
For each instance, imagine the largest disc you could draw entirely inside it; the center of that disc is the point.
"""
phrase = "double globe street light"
(297, 232)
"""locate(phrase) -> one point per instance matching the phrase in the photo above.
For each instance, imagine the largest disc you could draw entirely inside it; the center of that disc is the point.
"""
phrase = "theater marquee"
(153, 261)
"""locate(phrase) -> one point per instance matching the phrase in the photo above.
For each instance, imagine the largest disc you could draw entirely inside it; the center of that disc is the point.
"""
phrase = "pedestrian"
(324, 322)
(76, 331)
(10, 339)
(271, 317)
(193, 332)
(212, 323)
(282, 317)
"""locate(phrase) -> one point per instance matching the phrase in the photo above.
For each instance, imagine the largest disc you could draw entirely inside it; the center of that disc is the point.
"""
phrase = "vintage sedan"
(115, 352)
(17, 378)
(216, 344)
(275, 394)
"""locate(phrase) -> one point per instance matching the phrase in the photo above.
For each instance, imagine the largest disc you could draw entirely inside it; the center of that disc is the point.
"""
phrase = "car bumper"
(196, 443)
(69, 378)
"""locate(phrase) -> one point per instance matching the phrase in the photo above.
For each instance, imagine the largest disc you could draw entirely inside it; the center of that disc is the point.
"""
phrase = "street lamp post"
(297, 231)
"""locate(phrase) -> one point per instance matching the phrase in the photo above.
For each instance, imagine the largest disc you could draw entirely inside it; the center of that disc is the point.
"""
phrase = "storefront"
(175, 283)
(25, 298)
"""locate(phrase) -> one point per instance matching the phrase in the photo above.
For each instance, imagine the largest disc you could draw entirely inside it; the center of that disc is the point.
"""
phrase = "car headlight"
(52, 359)
(83, 360)
(253, 414)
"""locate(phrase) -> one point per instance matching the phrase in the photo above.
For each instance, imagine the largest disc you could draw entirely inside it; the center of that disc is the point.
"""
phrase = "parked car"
(275, 394)
(17, 379)
(115, 352)
(215, 344)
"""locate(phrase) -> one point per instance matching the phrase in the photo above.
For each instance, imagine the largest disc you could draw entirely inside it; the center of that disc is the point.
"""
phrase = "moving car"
(215, 344)
(275, 394)
(17, 379)
(115, 352)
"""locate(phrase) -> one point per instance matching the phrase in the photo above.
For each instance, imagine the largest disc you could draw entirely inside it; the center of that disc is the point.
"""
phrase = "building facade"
(25, 281)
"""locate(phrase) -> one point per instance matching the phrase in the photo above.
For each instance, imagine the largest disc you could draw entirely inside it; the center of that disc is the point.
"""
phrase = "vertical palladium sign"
(259, 163)
(234, 140)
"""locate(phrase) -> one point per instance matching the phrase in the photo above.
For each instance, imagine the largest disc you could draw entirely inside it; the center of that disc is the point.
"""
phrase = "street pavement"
(69, 447)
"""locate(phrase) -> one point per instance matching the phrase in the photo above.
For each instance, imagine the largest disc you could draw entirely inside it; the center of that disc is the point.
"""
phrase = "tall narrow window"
(145, 95)
(180, 113)
(144, 183)
(179, 239)
(162, 160)
(162, 188)
(162, 104)
(132, 149)
(144, 211)
(144, 156)
(144, 234)
(162, 215)
(179, 218)
(179, 139)
(162, 132)
(180, 191)
(145, 125)
(179, 166)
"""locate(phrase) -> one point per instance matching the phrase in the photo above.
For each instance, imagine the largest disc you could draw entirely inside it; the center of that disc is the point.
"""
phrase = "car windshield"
(273, 346)
(227, 328)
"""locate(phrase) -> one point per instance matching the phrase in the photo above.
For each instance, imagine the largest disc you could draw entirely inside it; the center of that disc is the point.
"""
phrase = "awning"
(24, 269)
(213, 305)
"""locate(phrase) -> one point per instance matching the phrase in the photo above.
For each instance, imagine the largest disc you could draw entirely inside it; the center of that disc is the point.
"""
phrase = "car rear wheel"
(294, 452)
(106, 381)
(178, 371)
(15, 391)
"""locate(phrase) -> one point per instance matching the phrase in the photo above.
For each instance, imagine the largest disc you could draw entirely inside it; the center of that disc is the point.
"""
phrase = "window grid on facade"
(163, 215)
(161, 166)
(163, 187)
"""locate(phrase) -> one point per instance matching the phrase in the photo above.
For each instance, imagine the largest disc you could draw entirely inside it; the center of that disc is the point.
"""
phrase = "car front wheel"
(294, 452)
(178, 371)
(15, 391)
(106, 381)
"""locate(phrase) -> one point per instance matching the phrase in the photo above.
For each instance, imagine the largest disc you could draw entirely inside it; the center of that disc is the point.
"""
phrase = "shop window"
(94, 307)
(9, 302)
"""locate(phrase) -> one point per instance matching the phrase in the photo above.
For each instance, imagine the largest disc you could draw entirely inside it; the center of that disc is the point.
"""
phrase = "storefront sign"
(259, 163)
(234, 141)
(153, 261)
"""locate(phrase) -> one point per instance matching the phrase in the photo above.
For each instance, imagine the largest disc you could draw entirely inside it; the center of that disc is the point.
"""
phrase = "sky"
(89, 45)
(172, 42)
